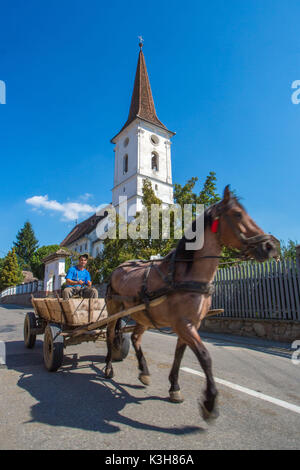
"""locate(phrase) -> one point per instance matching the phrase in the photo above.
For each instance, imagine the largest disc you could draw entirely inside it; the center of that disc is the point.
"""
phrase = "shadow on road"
(83, 400)
(267, 347)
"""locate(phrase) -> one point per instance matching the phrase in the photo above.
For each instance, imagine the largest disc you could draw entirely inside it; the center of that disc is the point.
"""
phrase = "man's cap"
(84, 255)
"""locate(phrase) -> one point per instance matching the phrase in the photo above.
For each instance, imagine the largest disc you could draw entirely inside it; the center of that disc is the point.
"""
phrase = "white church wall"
(121, 150)
(140, 147)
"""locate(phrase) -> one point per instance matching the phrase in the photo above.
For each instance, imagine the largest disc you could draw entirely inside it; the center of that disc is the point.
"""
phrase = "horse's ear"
(227, 194)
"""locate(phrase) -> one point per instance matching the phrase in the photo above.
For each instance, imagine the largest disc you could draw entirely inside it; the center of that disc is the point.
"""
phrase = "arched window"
(125, 164)
(154, 161)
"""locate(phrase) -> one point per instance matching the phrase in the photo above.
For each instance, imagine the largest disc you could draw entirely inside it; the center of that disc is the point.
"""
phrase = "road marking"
(2, 353)
(248, 391)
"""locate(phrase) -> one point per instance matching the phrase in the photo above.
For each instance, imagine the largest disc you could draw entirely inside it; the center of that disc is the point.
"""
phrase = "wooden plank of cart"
(77, 320)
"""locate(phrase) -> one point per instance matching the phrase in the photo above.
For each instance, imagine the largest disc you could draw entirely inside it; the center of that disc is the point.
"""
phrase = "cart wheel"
(121, 344)
(30, 330)
(53, 347)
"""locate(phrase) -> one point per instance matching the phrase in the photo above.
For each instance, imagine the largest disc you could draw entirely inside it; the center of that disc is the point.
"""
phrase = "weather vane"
(141, 41)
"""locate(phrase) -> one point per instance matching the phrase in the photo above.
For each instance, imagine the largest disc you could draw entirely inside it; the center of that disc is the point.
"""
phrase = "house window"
(154, 161)
(125, 164)
(126, 141)
(156, 187)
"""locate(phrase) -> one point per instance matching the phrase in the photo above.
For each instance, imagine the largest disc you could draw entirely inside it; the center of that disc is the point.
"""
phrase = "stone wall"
(276, 330)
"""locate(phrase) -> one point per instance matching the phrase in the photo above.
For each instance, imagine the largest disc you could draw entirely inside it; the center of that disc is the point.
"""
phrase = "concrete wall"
(24, 300)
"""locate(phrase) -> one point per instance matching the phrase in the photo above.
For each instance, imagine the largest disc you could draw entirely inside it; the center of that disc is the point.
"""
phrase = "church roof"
(142, 104)
(82, 229)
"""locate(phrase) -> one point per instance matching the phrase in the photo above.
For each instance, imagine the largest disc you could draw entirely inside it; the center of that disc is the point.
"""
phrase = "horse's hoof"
(207, 415)
(109, 373)
(176, 397)
(145, 379)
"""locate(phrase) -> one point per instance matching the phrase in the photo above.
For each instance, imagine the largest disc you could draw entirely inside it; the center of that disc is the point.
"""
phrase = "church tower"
(142, 148)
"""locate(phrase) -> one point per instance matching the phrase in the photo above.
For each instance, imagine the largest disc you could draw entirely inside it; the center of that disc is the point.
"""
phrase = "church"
(142, 150)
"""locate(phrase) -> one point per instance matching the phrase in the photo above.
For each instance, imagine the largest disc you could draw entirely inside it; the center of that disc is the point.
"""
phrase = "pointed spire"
(142, 104)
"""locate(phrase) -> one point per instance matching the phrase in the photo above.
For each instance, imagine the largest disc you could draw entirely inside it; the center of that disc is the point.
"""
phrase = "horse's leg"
(136, 339)
(188, 334)
(110, 336)
(174, 392)
(112, 307)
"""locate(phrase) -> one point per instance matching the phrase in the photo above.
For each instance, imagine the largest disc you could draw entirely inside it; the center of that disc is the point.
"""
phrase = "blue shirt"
(74, 274)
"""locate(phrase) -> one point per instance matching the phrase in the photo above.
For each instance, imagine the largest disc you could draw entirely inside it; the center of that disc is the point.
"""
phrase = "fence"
(269, 290)
(27, 288)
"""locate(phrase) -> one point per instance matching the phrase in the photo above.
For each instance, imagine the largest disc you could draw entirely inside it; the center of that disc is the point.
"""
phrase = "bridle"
(248, 243)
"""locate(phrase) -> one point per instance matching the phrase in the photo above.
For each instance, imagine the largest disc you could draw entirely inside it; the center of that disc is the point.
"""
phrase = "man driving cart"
(79, 281)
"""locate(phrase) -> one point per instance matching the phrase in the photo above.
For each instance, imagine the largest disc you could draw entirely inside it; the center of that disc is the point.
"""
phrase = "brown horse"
(186, 277)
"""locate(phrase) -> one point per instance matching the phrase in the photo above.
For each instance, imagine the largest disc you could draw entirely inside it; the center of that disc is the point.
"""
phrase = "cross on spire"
(141, 43)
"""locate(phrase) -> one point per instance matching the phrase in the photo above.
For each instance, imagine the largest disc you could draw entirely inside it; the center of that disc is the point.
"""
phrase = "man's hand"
(74, 283)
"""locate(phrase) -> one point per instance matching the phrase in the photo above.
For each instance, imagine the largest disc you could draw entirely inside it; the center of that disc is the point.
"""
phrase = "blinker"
(215, 225)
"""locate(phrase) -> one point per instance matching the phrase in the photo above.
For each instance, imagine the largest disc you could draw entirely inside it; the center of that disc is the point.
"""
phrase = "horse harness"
(202, 288)
(145, 296)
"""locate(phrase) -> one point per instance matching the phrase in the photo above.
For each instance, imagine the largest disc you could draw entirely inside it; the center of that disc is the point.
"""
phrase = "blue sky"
(221, 75)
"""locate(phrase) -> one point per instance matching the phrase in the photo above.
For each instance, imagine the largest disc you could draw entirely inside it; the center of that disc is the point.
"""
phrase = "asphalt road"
(77, 408)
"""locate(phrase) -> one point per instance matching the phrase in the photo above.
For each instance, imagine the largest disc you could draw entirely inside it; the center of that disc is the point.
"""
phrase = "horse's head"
(236, 229)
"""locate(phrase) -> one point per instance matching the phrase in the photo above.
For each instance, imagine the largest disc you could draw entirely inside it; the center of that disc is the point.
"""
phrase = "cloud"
(85, 196)
(69, 210)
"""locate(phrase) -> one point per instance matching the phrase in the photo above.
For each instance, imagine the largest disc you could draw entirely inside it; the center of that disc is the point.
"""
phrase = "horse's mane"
(181, 251)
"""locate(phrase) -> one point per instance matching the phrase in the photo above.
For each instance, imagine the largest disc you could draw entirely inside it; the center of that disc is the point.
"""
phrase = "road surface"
(77, 408)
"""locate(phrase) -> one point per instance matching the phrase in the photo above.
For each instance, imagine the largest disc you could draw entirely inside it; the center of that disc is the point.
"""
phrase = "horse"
(185, 276)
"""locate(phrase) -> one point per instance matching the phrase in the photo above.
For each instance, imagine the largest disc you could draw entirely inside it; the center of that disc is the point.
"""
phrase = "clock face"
(154, 139)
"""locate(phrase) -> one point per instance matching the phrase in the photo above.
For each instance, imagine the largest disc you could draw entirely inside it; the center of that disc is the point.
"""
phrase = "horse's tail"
(109, 290)
(112, 305)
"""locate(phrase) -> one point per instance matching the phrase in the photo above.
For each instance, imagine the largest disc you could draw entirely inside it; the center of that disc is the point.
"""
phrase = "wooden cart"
(74, 321)
(77, 320)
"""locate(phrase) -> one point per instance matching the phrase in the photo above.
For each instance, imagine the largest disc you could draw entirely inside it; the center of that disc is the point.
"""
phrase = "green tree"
(25, 245)
(208, 194)
(36, 264)
(10, 273)
(288, 250)
(115, 251)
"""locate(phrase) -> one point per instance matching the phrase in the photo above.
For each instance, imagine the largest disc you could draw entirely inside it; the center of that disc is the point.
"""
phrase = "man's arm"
(88, 279)
(70, 278)
(73, 283)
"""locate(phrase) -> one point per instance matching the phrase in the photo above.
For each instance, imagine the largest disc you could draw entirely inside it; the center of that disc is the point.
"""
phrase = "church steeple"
(142, 148)
(142, 104)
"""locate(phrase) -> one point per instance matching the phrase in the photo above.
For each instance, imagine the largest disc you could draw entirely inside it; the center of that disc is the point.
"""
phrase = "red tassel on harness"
(215, 225)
